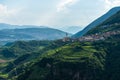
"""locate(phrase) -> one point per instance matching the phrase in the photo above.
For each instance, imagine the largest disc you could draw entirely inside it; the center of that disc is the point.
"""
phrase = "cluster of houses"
(98, 36)
(93, 37)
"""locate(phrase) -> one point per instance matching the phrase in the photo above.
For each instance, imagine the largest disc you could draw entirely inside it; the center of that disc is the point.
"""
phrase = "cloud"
(7, 15)
(64, 4)
(111, 3)
(5, 12)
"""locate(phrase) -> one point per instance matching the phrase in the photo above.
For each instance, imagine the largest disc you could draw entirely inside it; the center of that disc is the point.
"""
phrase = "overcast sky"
(53, 12)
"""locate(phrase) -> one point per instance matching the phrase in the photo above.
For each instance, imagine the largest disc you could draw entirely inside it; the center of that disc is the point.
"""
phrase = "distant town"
(93, 37)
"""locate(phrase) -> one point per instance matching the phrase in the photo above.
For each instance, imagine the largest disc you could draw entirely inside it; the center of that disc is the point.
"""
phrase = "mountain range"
(9, 26)
(10, 33)
(66, 60)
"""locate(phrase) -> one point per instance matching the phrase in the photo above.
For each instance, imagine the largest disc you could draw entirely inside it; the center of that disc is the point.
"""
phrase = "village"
(96, 36)
(93, 37)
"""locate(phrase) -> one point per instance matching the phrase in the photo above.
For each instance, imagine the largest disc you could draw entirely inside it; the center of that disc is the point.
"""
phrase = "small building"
(66, 38)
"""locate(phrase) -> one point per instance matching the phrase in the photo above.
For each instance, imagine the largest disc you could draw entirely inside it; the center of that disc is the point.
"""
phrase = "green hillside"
(97, 22)
(21, 53)
(67, 63)
(111, 24)
(18, 48)
(58, 60)
(78, 61)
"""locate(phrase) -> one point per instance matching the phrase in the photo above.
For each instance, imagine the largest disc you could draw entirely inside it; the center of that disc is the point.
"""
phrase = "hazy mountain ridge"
(8, 35)
(10, 26)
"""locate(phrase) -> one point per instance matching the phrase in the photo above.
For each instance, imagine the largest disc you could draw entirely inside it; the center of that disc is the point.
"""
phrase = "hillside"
(21, 53)
(97, 22)
(18, 48)
(78, 61)
(111, 24)
(58, 60)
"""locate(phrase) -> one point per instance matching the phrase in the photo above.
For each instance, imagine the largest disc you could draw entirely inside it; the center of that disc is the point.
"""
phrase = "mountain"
(8, 35)
(97, 22)
(71, 29)
(31, 34)
(5, 26)
(111, 24)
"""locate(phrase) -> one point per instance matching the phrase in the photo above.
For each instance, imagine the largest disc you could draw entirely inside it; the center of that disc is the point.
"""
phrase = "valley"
(51, 54)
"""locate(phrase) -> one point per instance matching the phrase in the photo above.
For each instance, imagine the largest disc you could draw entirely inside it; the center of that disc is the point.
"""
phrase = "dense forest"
(58, 60)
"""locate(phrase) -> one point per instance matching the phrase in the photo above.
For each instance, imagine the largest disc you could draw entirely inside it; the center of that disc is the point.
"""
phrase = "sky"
(54, 13)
